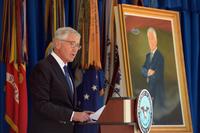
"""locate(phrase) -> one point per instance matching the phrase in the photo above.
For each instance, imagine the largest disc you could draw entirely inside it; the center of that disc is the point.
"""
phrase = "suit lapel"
(60, 75)
(154, 57)
(75, 92)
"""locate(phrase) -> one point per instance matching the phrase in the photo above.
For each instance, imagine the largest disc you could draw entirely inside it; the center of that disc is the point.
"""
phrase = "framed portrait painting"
(151, 57)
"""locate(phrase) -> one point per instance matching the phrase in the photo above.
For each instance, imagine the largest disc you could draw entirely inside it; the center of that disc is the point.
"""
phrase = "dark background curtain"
(189, 13)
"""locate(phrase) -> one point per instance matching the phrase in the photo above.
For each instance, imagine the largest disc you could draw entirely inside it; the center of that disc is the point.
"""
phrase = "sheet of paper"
(97, 114)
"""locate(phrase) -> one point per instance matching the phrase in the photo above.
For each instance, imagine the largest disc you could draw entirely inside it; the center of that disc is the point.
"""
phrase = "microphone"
(110, 86)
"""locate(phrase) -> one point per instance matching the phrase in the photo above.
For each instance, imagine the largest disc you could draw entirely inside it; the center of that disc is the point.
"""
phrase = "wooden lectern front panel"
(113, 112)
(117, 129)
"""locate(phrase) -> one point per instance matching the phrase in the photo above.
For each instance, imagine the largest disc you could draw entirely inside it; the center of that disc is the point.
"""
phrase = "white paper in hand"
(97, 114)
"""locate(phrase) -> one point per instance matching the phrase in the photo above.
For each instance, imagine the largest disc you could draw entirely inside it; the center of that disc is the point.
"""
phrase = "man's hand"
(81, 116)
(89, 112)
(101, 92)
(150, 72)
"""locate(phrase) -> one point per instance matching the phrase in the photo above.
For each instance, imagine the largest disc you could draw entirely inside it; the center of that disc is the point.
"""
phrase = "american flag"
(89, 98)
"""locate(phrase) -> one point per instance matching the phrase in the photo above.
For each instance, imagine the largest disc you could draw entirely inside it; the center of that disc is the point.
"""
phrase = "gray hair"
(63, 32)
(151, 29)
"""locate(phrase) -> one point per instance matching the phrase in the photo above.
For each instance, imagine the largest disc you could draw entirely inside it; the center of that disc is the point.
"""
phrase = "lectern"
(118, 116)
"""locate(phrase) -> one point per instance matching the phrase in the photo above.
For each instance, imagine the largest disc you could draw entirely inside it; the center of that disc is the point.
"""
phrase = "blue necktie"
(67, 77)
(151, 56)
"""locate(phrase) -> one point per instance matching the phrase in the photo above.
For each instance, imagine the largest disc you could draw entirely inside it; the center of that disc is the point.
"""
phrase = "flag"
(90, 91)
(58, 13)
(115, 86)
(110, 57)
(14, 54)
(54, 18)
(16, 98)
(111, 61)
(89, 97)
(88, 26)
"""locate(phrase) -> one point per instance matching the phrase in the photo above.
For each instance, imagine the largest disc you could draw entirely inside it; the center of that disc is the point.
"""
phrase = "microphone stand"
(110, 86)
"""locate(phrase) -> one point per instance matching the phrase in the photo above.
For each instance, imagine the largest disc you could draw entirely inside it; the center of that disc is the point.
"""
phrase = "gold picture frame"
(132, 22)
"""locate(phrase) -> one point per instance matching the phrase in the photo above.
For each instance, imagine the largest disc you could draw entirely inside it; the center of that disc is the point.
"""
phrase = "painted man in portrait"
(153, 71)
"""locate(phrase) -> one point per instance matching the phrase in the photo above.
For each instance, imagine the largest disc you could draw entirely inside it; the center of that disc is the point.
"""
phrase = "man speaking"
(54, 97)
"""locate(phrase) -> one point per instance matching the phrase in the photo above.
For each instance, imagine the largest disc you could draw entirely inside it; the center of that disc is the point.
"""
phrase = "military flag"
(90, 90)
(90, 97)
(14, 54)
(110, 57)
(54, 18)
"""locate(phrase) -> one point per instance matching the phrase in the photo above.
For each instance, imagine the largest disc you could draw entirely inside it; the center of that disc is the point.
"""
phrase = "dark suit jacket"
(52, 105)
(156, 81)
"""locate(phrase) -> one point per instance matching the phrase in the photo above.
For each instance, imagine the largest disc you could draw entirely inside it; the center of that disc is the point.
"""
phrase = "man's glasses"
(73, 44)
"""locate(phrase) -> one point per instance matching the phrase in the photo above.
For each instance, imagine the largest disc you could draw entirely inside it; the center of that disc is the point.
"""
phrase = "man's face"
(152, 41)
(67, 48)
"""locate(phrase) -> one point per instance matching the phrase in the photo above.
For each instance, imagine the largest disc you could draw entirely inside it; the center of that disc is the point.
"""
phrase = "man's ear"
(57, 44)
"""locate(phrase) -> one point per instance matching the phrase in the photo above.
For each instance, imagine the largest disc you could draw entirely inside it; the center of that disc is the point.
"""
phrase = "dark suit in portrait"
(155, 82)
(52, 103)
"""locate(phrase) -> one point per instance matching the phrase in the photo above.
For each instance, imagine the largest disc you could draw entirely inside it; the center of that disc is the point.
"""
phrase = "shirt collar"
(154, 51)
(59, 60)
